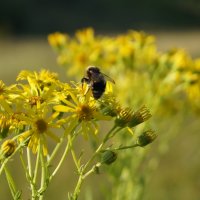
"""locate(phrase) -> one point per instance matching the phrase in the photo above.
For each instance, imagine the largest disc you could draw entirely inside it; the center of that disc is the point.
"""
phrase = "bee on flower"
(81, 111)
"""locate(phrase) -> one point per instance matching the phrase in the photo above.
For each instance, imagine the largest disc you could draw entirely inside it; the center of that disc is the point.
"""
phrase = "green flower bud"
(139, 117)
(8, 148)
(146, 138)
(108, 157)
(123, 117)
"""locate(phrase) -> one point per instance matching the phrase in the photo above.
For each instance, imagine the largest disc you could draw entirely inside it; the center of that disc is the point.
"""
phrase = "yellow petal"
(61, 108)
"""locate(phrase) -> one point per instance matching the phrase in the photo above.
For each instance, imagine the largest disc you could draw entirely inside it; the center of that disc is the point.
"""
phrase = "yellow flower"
(39, 125)
(57, 40)
(80, 109)
(126, 46)
(40, 90)
(85, 36)
(7, 95)
(44, 79)
(142, 38)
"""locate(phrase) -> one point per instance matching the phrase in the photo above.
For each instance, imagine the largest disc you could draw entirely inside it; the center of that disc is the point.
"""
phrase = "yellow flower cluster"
(86, 49)
(136, 64)
(39, 103)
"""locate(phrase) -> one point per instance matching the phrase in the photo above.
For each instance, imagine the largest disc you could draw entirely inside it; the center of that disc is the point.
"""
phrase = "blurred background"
(41, 17)
(24, 26)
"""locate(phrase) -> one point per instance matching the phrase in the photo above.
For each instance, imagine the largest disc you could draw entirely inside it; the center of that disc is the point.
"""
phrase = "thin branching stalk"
(11, 183)
(126, 147)
(82, 171)
(43, 177)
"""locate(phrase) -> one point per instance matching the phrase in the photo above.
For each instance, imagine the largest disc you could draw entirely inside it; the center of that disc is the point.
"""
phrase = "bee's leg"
(86, 80)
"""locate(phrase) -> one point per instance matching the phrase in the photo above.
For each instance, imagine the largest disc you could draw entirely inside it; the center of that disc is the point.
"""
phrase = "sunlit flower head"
(7, 95)
(142, 38)
(80, 110)
(85, 36)
(39, 125)
(40, 90)
(57, 40)
(44, 79)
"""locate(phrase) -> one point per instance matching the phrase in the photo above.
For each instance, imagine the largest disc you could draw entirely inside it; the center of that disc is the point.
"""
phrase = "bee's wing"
(108, 78)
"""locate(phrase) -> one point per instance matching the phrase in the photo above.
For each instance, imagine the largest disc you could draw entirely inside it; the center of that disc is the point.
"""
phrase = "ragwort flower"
(7, 95)
(40, 125)
(81, 111)
(40, 90)
(57, 40)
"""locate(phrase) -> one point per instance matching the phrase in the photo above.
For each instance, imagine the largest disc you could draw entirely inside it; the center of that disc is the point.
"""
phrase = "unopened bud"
(8, 148)
(139, 117)
(124, 117)
(146, 138)
(108, 157)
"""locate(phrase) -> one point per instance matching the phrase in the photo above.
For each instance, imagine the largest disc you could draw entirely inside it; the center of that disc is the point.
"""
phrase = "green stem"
(93, 169)
(81, 179)
(30, 174)
(10, 182)
(36, 165)
(29, 162)
(55, 151)
(67, 148)
(78, 187)
(82, 172)
(29, 178)
(106, 138)
(43, 184)
(61, 161)
(126, 147)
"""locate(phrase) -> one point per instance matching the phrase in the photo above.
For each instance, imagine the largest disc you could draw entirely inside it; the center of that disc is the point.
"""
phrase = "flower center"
(41, 125)
(34, 99)
(85, 112)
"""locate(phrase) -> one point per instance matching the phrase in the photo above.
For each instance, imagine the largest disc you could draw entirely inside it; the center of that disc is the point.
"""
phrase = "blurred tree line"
(45, 16)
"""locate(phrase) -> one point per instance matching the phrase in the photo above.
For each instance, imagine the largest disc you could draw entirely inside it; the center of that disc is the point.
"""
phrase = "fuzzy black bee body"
(98, 88)
(96, 81)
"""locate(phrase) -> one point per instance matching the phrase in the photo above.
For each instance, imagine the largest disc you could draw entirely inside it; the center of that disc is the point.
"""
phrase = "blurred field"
(177, 176)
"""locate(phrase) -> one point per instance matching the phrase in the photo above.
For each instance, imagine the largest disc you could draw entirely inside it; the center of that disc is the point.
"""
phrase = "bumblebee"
(96, 81)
